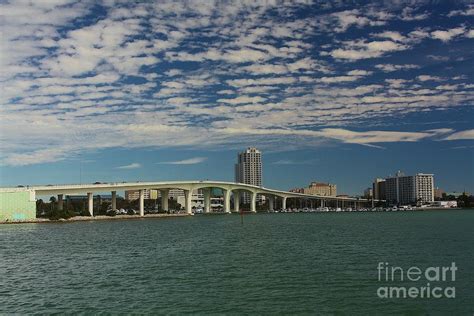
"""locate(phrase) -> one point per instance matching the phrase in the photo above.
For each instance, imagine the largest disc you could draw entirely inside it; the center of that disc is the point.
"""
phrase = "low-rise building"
(322, 189)
(132, 195)
(368, 193)
(297, 190)
(438, 193)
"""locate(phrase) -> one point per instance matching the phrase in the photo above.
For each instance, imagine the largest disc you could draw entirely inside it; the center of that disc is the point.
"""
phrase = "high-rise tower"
(248, 169)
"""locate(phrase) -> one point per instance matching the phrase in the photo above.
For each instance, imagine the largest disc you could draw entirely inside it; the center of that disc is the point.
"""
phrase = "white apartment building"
(248, 170)
(404, 190)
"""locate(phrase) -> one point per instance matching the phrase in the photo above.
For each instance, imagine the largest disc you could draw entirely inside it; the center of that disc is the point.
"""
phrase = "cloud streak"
(133, 165)
(189, 161)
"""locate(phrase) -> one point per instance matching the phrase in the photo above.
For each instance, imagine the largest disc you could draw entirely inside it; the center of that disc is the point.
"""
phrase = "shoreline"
(91, 219)
(136, 217)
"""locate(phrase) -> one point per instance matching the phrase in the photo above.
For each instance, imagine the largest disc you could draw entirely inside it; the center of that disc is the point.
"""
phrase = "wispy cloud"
(190, 161)
(134, 165)
(294, 162)
(468, 134)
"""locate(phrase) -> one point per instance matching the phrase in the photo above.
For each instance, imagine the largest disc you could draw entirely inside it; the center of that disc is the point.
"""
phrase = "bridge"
(231, 190)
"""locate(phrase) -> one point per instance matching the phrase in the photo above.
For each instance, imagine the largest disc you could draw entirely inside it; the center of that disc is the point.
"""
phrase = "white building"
(248, 170)
(132, 195)
(404, 190)
(198, 202)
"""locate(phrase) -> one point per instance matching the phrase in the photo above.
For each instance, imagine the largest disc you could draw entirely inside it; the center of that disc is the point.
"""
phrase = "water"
(272, 264)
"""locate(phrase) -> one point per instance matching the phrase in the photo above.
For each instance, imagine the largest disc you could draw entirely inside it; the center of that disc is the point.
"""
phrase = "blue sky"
(115, 91)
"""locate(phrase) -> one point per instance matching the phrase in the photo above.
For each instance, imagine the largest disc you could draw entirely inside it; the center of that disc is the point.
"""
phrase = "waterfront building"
(378, 189)
(198, 201)
(173, 193)
(131, 195)
(323, 189)
(404, 190)
(368, 193)
(438, 193)
(248, 170)
(457, 194)
(98, 197)
(297, 190)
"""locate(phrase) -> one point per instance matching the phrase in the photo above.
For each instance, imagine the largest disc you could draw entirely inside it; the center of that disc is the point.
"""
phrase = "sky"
(173, 90)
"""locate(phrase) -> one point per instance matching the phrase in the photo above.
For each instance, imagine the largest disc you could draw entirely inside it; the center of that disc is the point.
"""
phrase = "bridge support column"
(236, 201)
(90, 203)
(142, 202)
(283, 203)
(187, 200)
(164, 199)
(114, 200)
(253, 202)
(207, 200)
(322, 203)
(271, 203)
(227, 201)
(60, 202)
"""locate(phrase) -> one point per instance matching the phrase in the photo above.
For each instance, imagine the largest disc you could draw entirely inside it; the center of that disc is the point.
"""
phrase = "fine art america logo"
(436, 282)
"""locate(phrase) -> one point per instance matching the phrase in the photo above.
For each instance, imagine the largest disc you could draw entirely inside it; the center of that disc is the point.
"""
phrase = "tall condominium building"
(405, 190)
(319, 188)
(378, 189)
(248, 169)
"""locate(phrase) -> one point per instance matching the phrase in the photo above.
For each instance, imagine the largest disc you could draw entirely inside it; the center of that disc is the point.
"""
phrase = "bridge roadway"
(229, 188)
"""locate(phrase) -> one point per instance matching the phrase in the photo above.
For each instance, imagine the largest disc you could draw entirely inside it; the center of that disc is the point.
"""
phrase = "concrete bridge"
(231, 190)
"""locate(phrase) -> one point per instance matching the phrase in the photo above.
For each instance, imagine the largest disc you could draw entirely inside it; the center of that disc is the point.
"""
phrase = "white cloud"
(408, 14)
(394, 36)
(338, 79)
(190, 161)
(393, 67)
(261, 81)
(134, 165)
(448, 35)
(266, 69)
(370, 137)
(348, 18)
(242, 100)
(294, 162)
(428, 78)
(466, 12)
(359, 72)
(363, 50)
(468, 134)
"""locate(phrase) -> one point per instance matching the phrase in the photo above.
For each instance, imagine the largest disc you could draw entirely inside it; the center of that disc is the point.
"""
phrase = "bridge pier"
(142, 202)
(253, 202)
(236, 202)
(90, 203)
(188, 194)
(207, 200)
(283, 203)
(271, 200)
(227, 201)
(164, 199)
(60, 202)
(114, 200)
